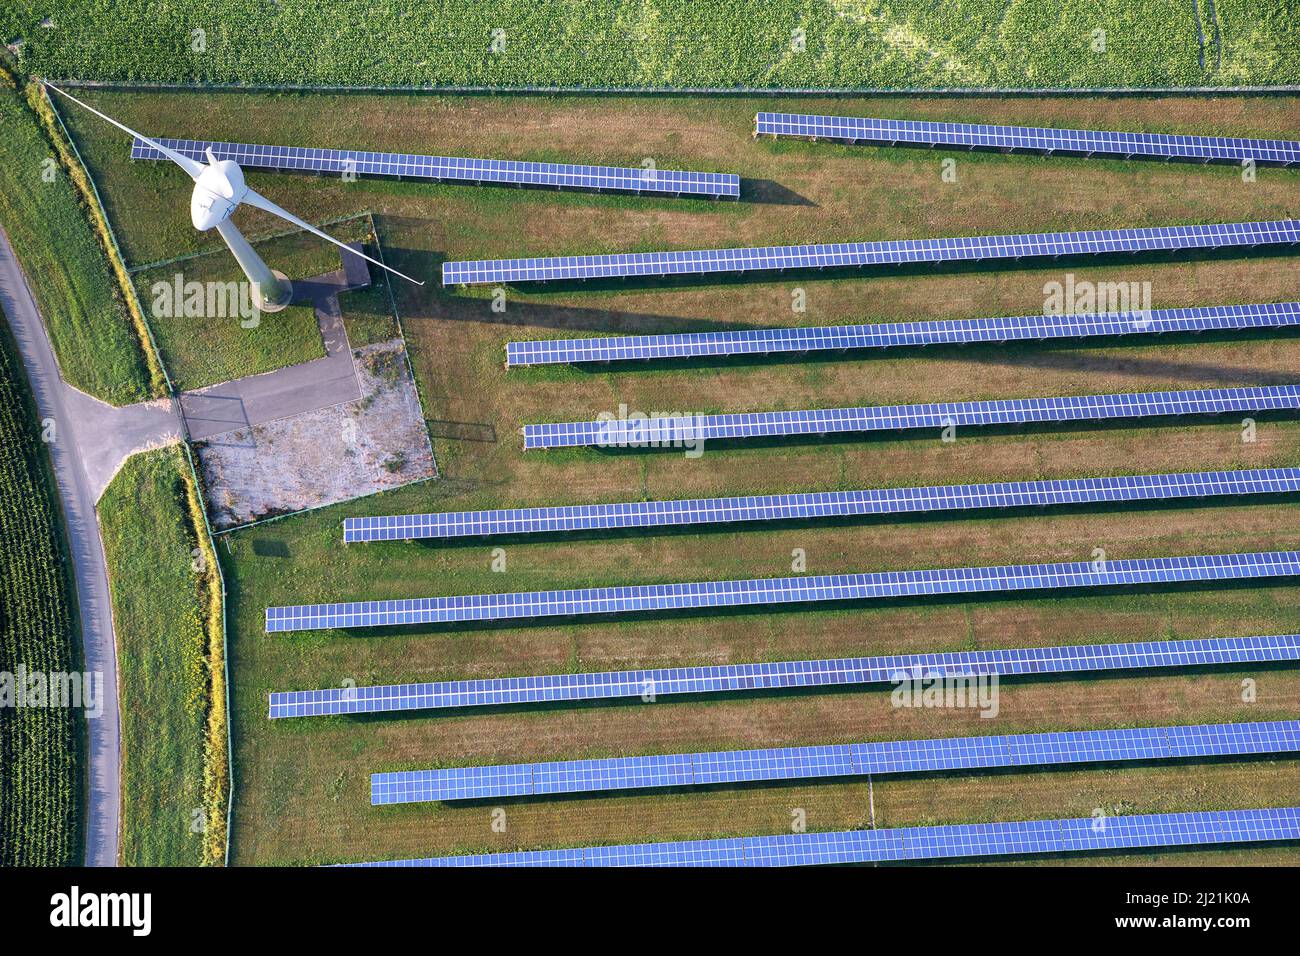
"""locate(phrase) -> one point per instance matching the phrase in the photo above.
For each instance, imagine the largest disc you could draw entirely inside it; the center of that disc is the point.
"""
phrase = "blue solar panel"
(732, 678)
(852, 254)
(688, 853)
(844, 760)
(825, 504)
(627, 348)
(891, 132)
(1069, 835)
(582, 602)
(689, 431)
(454, 170)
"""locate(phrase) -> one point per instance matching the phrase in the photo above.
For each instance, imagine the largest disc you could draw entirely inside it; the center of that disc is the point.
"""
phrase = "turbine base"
(279, 296)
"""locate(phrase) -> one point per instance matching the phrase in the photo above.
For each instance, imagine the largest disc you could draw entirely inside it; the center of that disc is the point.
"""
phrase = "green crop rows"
(665, 43)
(39, 782)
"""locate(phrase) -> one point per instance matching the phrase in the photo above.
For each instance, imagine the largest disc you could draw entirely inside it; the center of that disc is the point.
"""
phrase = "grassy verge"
(166, 609)
(40, 767)
(668, 43)
(67, 267)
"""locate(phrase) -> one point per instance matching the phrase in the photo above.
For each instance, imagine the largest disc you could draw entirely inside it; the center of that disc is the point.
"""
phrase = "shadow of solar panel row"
(581, 602)
(851, 254)
(1108, 144)
(451, 169)
(843, 760)
(651, 684)
(627, 348)
(1029, 837)
(824, 504)
(688, 431)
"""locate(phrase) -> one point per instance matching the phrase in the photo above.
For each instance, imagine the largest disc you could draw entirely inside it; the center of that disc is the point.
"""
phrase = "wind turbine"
(219, 189)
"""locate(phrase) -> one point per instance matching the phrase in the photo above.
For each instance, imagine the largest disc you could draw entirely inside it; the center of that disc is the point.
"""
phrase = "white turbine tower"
(219, 188)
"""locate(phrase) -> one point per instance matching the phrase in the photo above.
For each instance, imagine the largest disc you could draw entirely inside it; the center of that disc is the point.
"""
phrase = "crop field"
(40, 775)
(677, 44)
(302, 786)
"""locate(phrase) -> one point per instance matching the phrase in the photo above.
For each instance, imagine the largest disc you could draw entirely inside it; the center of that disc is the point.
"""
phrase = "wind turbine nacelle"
(218, 188)
(217, 192)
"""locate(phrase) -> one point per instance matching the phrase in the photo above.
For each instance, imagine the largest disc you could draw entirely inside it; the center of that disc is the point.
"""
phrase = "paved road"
(106, 436)
(91, 441)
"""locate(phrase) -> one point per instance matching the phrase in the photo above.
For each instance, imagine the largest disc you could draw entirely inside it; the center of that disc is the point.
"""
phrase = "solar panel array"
(1070, 835)
(891, 132)
(581, 602)
(687, 431)
(651, 684)
(627, 348)
(842, 760)
(454, 170)
(825, 504)
(852, 254)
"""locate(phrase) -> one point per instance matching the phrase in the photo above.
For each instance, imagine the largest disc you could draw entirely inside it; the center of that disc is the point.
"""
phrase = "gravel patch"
(325, 456)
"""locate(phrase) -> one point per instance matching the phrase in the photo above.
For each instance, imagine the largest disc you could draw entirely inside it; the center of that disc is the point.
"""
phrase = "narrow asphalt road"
(91, 441)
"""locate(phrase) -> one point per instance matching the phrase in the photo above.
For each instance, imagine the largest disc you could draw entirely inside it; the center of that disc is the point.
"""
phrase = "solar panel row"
(892, 132)
(843, 760)
(895, 334)
(582, 602)
(825, 504)
(689, 431)
(651, 684)
(853, 254)
(454, 170)
(1070, 835)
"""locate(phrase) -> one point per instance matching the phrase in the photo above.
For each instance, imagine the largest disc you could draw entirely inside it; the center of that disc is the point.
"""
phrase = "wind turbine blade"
(184, 162)
(261, 202)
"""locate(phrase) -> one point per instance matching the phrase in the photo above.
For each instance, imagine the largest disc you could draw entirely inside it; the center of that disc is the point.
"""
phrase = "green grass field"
(799, 44)
(40, 762)
(302, 785)
(64, 263)
(172, 816)
(368, 314)
(206, 350)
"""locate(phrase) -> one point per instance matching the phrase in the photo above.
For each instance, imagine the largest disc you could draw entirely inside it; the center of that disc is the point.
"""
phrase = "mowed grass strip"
(1039, 536)
(746, 722)
(66, 267)
(173, 772)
